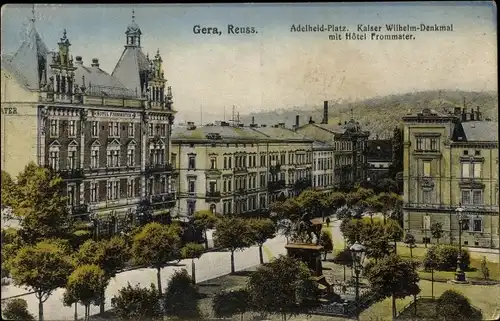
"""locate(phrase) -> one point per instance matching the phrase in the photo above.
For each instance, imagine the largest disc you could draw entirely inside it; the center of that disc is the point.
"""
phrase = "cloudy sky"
(277, 68)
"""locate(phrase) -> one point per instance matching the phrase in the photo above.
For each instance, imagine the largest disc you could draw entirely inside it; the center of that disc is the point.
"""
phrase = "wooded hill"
(381, 114)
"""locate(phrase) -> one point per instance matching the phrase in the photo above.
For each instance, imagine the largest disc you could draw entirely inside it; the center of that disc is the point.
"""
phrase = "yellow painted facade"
(451, 160)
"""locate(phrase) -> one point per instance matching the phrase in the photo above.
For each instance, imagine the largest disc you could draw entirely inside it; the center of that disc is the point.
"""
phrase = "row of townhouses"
(111, 137)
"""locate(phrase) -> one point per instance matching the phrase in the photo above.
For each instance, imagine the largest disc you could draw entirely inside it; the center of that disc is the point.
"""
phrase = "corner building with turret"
(108, 135)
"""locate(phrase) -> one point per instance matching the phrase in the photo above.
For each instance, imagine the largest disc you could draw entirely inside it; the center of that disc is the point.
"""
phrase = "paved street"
(209, 266)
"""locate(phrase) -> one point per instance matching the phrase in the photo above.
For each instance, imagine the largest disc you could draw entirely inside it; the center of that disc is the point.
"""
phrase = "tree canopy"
(274, 286)
(16, 309)
(181, 296)
(38, 202)
(226, 304)
(233, 233)
(137, 303)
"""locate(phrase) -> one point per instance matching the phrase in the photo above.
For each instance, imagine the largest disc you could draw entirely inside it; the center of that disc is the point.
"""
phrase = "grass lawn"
(488, 304)
(475, 264)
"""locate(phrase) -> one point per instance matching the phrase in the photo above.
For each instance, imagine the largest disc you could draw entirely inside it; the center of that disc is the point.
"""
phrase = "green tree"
(233, 233)
(275, 285)
(394, 232)
(111, 255)
(192, 251)
(181, 297)
(8, 190)
(453, 305)
(393, 277)
(485, 271)
(446, 257)
(11, 244)
(204, 220)
(16, 309)
(84, 286)
(260, 231)
(136, 303)
(344, 257)
(335, 201)
(388, 202)
(410, 242)
(326, 240)
(312, 201)
(437, 230)
(38, 202)
(226, 304)
(397, 151)
(43, 267)
(156, 245)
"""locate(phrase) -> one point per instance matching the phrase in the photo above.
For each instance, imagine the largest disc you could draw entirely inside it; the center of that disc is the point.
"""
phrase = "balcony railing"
(158, 168)
(76, 173)
(212, 194)
(276, 185)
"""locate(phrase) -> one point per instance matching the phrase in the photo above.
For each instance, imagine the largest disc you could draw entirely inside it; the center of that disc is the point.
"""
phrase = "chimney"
(253, 120)
(297, 118)
(456, 111)
(472, 114)
(95, 62)
(325, 112)
(478, 113)
(311, 121)
(464, 114)
(79, 60)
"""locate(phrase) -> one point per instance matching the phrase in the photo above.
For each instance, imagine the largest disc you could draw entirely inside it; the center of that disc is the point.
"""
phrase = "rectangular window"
(229, 185)
(71, 195)
(192, 162)
(426, 197)
(419, 144)
(225, 162)
(477, 225)
(110, 128)
(72, 128)
(192, 187)
(213, 163)
(116, 190)
(72, 159)
(130, 157)
(466, 170)
(130, 188)
(109, 159)
(150, 129)
(116, 158)
(54, 159)
(109, 190)
(477, 170)
(131, 130)
(94, 158)
(116, 129)
(477, 197)
(93, 192)
(434, 144)
(95, 129)
(427, 169)
(54, 128)
(466, 197)
(230, 162)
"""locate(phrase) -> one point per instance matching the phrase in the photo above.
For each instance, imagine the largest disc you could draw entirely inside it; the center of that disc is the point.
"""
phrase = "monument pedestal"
(310, 254)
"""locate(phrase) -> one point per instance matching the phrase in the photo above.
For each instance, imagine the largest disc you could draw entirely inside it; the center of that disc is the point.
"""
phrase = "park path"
(209, 266)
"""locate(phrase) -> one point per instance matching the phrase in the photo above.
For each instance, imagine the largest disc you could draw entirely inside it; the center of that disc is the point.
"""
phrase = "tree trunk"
(261, 256)
(193, 272)
(437, 240)
(325, 256)
(415, 305)
(384, 218)
(76, 311)
(411, 251)
(206, 239)
(395, 247)
(103, 297)
(432, 283)
(86, 314)
(232, 262)
(40, 309)
(241, 317)
(158, 278)
(393, 307)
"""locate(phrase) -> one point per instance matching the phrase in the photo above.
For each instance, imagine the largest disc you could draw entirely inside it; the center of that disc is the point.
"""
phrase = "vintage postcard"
(330, 160)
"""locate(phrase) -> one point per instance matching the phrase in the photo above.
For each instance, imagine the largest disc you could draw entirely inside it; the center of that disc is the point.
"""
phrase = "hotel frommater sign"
(111, 114)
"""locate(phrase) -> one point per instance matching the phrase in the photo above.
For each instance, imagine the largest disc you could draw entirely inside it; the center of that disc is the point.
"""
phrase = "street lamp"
(459, 273)
(358, 255)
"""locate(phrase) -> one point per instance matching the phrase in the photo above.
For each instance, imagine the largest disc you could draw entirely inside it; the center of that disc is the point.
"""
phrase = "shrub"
(181, 296)
(445, 258)
(326, 241)
(226, 304)
(485, 271)
(453, 305)
(343, 257)
(136, 303)
(16, 309)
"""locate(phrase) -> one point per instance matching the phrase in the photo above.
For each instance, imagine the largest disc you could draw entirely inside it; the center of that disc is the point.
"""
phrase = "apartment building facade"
(108, 135)
(237, 169)
(451, 161)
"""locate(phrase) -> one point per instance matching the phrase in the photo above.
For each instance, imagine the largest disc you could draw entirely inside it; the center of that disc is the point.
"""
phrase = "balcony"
(213, 195)
(158, 168)
(427, 153)
(302, 184)
(213, 172)
(276, 185)
(238, 170)
(159, 201)
(76, 173)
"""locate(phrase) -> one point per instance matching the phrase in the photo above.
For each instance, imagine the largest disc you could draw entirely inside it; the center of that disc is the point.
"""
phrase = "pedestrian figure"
(328, 222)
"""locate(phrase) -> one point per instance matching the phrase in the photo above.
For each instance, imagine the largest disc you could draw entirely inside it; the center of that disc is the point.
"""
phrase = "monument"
(310, 252)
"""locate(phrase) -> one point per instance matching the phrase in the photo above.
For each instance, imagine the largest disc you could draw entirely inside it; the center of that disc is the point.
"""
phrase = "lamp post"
(459, 273)
(358, 255)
